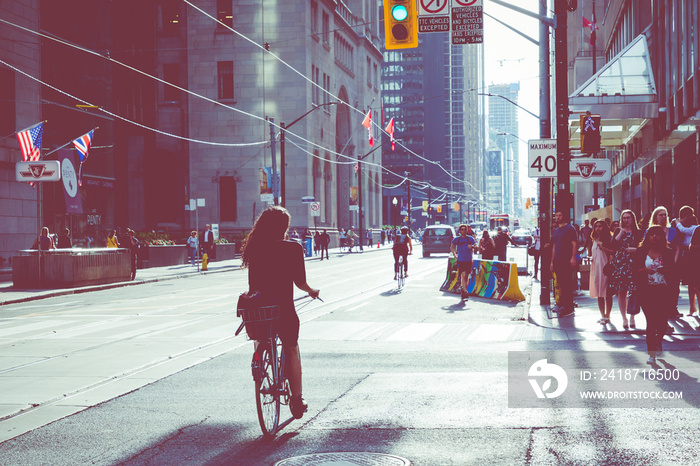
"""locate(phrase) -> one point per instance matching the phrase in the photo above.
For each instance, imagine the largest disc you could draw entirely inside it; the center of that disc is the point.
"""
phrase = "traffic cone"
(205, 261)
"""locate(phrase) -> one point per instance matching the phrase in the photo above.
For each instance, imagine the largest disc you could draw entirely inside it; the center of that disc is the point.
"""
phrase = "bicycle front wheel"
(267, 399)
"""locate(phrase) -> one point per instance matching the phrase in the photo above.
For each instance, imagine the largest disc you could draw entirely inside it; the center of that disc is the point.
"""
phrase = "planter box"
(69, 268)
(162, 256)
(224, 252)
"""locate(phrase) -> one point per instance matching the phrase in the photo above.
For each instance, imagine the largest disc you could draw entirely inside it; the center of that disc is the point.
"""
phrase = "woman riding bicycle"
(275, 266)
(402, 248)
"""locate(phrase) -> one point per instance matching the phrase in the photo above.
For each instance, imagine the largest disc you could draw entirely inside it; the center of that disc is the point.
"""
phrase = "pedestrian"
(208, 242)
(486, 246)
(402, 248)
(660, 217)
(654, 268)
(64, 241)
(601, 255)
(317, 242)
(693, 267)
(537, 246)
(625, 242)
(564, 261)
(342, 238)
(324, 242)
(133, 244)
(192, 244)
(687, 225)
(112, 240)
(586, 239)
(501, 241)
(266, 245)
(294, 236)
(382, 236)
(462, 247)
(369, 238)
(45, 241)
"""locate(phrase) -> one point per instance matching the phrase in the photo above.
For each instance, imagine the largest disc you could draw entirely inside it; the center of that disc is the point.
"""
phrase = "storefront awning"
(623, 93)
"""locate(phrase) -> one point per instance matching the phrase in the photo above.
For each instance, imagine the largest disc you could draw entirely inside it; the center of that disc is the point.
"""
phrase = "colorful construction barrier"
(487, 279)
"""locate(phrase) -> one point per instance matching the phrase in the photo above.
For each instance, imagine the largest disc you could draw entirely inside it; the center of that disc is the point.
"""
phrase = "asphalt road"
(151, 375)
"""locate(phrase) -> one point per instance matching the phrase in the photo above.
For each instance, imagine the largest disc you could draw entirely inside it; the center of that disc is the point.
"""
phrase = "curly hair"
(271, 225)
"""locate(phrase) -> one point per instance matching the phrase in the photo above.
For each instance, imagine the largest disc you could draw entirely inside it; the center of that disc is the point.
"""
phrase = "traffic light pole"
(563, 200)
(545, 184)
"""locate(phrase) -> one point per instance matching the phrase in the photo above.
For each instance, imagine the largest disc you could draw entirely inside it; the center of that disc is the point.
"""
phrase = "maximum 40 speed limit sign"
(542, 158)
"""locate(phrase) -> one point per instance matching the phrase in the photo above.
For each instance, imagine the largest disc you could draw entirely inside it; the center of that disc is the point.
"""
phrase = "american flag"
(30, 142)
(83, 145)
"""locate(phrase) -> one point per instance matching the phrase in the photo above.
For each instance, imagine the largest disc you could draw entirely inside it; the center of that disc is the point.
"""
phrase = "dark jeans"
(655, 301)
(564, 273)
(537, 261)
(324, 247)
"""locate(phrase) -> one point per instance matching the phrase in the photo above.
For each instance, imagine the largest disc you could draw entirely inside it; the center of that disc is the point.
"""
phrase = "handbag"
(633, 305)
(531, 250)
(608, 270)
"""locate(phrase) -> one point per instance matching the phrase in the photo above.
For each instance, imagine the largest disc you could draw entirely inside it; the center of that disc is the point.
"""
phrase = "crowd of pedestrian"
(642, 263)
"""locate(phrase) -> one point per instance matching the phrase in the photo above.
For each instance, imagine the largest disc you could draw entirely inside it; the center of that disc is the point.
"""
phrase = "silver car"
(437, 239)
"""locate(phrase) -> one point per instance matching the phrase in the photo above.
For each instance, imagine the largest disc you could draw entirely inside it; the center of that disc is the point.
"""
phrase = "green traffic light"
(399, 12)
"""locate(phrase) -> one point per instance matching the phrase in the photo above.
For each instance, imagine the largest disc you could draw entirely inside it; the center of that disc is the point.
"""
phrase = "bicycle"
(402, 273)
(268, 364)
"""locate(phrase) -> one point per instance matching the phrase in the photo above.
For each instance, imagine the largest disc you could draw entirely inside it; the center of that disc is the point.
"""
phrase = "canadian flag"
(390, 130)
(367, 123)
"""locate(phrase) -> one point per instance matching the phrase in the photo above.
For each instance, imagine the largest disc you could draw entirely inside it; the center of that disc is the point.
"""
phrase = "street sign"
(315, 209)
(590, 170)
(306, 199)
(542, 158)
(433, 16)
(46, 170)
(467, 22)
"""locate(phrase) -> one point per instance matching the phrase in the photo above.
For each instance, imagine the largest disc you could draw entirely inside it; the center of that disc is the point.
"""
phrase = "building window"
(7, 102)
(314, 17)
(228, 200)
(224, 13)
(170, 17)
(171, 74)
(225, 79)
(326, 28)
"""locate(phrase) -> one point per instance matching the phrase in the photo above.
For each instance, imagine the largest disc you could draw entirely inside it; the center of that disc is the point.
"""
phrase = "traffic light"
(590, 134)
(400, 24)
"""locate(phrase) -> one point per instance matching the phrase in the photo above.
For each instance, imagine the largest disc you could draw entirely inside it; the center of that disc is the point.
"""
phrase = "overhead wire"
(203, 97)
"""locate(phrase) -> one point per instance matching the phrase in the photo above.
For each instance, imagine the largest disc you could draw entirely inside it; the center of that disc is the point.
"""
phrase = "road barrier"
(487, 279)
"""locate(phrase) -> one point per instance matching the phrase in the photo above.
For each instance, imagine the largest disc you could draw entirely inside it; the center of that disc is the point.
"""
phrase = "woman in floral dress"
(625, 241)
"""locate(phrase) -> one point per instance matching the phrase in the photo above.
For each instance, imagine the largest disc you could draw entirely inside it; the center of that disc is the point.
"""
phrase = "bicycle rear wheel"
(402, 273)
(267, 399)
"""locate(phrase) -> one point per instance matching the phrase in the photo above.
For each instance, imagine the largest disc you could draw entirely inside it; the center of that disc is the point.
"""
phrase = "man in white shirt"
(208, 241)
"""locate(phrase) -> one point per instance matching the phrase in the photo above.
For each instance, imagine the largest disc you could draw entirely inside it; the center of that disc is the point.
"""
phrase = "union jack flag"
(30, 142)
(83, 145)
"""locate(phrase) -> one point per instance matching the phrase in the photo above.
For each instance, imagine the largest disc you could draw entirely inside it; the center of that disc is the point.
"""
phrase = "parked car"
(522, 237)
(437, 239)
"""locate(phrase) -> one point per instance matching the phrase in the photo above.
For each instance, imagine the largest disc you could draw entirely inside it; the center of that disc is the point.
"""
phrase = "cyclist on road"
(275, 265)
(463, 245)
(402, 248)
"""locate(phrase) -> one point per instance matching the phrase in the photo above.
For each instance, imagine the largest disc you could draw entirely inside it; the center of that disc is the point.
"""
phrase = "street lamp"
(283, 157)
(395, 202)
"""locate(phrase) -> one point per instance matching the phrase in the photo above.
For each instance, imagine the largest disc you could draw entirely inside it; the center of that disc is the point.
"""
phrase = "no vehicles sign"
(433, 16)
(315, 208)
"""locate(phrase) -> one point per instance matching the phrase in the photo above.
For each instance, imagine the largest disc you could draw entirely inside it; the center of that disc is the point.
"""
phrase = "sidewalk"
(586, 315)
(10, 295)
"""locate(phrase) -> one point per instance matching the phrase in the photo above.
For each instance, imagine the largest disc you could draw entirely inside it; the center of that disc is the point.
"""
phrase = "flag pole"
(64, 145)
